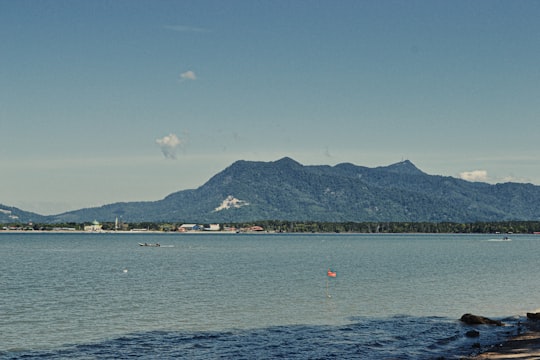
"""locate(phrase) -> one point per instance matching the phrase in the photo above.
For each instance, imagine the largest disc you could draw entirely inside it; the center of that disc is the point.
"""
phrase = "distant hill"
(287, 190)
(9, 214)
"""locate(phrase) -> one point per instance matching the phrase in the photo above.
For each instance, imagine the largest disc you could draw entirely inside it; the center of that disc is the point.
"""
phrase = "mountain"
(287, 190)
(9, 214)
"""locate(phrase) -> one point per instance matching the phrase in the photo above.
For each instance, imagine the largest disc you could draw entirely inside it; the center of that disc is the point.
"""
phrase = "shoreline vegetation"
(278, 226)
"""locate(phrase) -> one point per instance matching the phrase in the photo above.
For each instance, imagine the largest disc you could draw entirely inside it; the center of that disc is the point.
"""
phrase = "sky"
(128, 100)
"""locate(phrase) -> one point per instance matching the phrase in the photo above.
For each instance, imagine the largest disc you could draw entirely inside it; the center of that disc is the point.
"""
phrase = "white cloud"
(188, 75)
(169, 145)
(475, 175)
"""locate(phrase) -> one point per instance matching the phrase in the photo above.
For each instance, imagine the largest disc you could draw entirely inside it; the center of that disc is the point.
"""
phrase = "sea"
(261, 296)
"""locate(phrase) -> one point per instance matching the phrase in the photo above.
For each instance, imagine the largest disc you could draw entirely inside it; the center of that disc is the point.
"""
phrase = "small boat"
(152, 245)
(504, 239)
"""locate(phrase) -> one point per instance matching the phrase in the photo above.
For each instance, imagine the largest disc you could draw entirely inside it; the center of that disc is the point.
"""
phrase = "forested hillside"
(288, 190)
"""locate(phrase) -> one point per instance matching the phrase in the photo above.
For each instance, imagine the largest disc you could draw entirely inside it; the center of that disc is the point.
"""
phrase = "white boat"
(504, 239)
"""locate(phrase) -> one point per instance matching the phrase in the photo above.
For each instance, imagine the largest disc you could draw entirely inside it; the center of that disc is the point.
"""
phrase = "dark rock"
(533, 316)
(472, 333)
(471, 319)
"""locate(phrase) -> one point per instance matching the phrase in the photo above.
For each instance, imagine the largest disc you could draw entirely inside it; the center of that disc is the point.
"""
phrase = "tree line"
(517, 227)
(521, 227)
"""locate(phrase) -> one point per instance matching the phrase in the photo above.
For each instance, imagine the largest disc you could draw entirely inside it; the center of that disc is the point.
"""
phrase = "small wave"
(400, 337)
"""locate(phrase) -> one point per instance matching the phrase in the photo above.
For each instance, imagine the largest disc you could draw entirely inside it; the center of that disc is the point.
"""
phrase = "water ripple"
(400, 337)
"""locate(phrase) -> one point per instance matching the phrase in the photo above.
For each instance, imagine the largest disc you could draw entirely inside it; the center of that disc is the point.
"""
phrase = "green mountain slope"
(9, 214)
(288, 190)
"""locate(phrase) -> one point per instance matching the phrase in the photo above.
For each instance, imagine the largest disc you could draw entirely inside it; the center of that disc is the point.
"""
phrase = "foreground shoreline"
(522, 346)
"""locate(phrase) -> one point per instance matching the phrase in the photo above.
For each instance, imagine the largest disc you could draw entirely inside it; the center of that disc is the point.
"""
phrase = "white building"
(96, 226)
(189, 227)
(212, 227)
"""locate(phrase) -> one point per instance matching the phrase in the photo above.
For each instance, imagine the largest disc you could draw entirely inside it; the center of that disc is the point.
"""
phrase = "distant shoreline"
(137, 232)
(500, 228)
(222, 232)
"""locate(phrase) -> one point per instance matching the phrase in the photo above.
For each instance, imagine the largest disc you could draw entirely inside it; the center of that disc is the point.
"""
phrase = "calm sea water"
(97, 296)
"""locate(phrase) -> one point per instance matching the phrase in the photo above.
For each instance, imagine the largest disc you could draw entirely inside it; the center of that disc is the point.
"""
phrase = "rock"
(533, 316)
(471, 319)
(472, 333)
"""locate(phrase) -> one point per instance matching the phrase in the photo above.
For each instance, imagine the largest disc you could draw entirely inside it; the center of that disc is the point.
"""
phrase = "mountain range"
(287, 190)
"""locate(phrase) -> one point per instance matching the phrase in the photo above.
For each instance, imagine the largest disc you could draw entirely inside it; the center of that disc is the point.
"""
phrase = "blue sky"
(106, 101)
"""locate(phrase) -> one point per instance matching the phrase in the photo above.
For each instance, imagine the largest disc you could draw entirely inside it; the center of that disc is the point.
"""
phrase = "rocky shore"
(525, 345)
